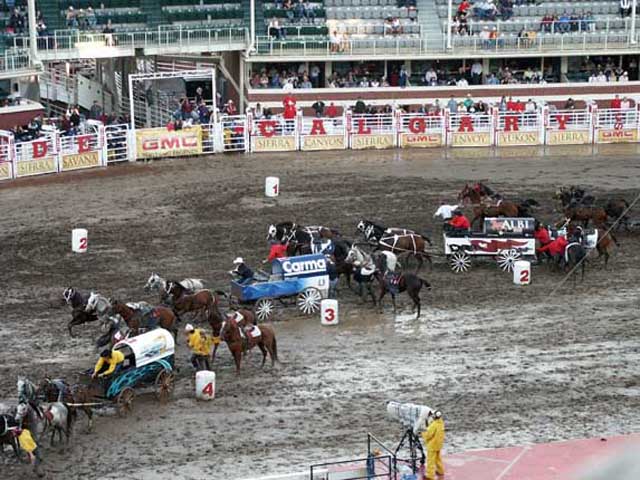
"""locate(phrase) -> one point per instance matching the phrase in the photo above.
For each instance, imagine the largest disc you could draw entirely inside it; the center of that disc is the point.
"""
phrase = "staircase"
(153, 11)
(51, 12)
(430, 23)
(261, 28)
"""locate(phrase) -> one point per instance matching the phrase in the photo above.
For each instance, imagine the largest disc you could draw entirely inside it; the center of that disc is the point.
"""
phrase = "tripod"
(414, 446)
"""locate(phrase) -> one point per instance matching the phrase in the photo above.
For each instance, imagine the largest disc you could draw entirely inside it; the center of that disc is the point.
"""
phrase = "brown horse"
(136, 320)
(583, 214)
(503, 209)
(184, 301)
(477, 194)
(606, 240)
(216, 318)
(231, 334)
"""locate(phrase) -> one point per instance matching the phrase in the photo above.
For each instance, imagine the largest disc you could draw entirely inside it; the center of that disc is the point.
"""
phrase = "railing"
(14, 61)
(605, 25)
(358, 469)
(91, 43)
(385, 47)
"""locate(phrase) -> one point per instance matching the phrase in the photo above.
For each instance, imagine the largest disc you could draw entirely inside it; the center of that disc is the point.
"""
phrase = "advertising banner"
(625, 135)
(513, 138)
(380, 141)
(274, 144)
(79, 161)
(568, 137)
(471, 139)
(160, 142)
(5, 171)
(420, 140)
(323, 142)
(36, 166)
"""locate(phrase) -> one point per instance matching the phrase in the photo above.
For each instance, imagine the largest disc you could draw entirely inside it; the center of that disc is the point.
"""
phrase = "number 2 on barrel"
(83, 243)
(524, 276)
(208, 389)
(329, 315)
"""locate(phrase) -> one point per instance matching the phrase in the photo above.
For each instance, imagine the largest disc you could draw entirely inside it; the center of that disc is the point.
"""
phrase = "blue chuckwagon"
(302, 280)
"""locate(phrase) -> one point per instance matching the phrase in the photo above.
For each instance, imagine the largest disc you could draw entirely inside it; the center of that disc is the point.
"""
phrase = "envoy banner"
(471, 139)
(78, 161)
(160, 142)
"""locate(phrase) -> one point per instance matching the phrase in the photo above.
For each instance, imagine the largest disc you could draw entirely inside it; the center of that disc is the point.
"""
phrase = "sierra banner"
(274, 143)
(568, 137)
(5, 171)
(375, 141)
(37, 166)
(77, 161)
(160, 142)
(420, 140)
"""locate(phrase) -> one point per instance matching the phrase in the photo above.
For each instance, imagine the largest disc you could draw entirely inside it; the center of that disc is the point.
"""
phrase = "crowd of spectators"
(565, 23)
(81, 19)
(194, 111)
(297, 10)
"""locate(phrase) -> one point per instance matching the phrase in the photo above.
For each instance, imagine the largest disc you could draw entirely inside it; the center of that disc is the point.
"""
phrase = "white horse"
(159, 284)
(99, 304)
(364, 272)
(58, 418)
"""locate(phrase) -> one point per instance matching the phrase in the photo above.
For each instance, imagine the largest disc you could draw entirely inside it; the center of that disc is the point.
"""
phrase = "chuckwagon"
(302, 280)
(505, 239)
(149, 362)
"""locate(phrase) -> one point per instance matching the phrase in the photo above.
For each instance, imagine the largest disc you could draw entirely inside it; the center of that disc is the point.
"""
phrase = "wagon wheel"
(125, 401)
(460, 261)
(507, 258)
(309, 300)
(264, 309)
(165, 385)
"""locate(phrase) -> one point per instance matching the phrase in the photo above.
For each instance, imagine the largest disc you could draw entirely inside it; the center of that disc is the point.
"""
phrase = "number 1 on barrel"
(275, 189)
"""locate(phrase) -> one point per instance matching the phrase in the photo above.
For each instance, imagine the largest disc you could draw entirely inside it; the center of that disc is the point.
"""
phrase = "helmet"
(188, 328)
(238, 260)
(457, 211)
(437, 414)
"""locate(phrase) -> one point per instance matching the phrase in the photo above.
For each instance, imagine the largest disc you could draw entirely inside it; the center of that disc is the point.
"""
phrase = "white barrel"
(522, 272)
(272, 187)
(79, 240)
(205, 385)
(329, 312)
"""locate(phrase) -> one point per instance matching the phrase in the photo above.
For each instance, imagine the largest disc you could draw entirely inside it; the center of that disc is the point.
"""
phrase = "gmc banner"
(160, 142)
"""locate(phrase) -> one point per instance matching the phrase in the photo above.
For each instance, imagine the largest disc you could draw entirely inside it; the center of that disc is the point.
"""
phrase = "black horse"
(299, 238)
(7, 424)
(78, 302)
(404, 282)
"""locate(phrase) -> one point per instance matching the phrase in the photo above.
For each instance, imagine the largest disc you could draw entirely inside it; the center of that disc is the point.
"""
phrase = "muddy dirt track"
(507, 365)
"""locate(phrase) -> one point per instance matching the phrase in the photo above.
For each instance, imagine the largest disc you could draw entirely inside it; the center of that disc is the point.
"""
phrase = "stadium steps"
(50, 10)
(261, 28)
(430, 22)
(152, 11)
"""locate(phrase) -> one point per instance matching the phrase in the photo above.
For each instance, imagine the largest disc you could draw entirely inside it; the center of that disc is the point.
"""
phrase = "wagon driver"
(109, 361)
(243, 273)
(459, 223)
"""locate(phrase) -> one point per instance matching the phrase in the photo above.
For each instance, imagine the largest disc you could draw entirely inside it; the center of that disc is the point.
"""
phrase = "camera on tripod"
(412, 415)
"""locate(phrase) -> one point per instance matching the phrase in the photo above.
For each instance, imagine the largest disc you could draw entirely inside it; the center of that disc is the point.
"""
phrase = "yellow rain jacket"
(434, 435)
(26, 441)
(199, 342)
(113, 361)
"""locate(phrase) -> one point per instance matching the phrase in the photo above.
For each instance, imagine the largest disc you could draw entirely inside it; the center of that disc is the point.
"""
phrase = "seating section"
(372, 18)
(606, 17)
(295, 25)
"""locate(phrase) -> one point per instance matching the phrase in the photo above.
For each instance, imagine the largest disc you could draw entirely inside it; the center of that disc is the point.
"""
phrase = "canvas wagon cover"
(150, 347)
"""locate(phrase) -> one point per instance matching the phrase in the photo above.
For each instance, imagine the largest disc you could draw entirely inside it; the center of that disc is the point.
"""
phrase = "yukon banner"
(160, 142)
(80, 160)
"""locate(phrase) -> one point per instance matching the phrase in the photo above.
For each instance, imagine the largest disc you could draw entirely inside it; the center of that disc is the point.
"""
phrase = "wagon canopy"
(300, 266)
(149, 347)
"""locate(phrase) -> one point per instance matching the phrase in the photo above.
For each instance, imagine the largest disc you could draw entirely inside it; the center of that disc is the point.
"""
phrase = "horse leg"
(213, 354)
(89, 413)
(420, 262)
(237, 358)
(383, 292)
(393, 300)
(263, 349)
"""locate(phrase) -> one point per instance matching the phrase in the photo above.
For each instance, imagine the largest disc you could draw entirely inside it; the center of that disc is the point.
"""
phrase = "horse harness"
(384, 242)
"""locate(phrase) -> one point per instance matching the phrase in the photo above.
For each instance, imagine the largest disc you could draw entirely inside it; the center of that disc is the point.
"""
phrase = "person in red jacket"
(289, 114)
(616, 102)
(555, 248)
(459, 223)
(277, 250)
(541, 234)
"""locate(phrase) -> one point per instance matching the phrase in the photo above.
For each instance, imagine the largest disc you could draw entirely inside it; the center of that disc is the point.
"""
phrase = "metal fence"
(358, 469)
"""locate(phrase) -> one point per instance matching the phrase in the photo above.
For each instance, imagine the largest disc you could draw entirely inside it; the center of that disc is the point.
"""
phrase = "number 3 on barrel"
(329, 315)
(524, 276)
(208, 389)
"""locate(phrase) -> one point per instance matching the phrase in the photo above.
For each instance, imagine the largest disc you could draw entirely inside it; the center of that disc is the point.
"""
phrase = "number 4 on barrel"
(208, 389)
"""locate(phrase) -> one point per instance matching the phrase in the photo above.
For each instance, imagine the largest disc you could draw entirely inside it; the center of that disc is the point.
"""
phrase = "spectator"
(289, 10)
(359, 108)
(485, 37)
(95, 112)
(589, 22)
(463, 8)
(546, 25)
(403, 80)
(318, 107)
(602, 78)
(616, 102)
(72, 21)
(108, 33)
(335, 42)
(452, 105)
(625, 104)
(476, 73)
(431, 77)
(624, 77)
(493, 80)
(563, 23)
(506, 9)
(305, 82)
(570, 104)
(332, 110)
(314, 76)
(276, 31)
(90, 15)
(625, 8)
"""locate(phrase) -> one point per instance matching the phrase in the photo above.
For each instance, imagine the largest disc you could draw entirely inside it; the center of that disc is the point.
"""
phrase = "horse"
(141, 320)
(364, 270)
(100, 305)
(159, 284)
(232, 335)
(60, 420)
(299, 238)
(77, 301)
(407, 282)
(396, 240)
(28, 417)
(216, 318)
(583, 214)
(502, 209)
(28, 393)
(477, 193)
(606, 240)
(574, 195)
(57, 390)
(199, 302)
(616, 209)
(115, 329)
(8, 424)
(575, 254)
